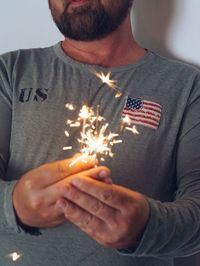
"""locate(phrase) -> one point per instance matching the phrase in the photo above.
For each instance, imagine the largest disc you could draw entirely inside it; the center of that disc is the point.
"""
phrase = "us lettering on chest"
(33, 94)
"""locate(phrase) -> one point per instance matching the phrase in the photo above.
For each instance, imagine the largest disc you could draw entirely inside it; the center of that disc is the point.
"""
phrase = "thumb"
(59, 170)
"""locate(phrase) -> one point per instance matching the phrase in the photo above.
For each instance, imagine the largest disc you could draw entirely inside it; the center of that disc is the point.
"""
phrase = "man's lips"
(77, 3)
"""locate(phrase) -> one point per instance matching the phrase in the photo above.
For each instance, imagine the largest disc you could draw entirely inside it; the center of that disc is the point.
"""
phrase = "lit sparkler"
(106, 79)
(95, 139)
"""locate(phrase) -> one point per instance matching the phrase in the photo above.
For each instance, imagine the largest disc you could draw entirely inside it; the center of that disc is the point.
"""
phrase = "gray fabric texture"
(162, 163)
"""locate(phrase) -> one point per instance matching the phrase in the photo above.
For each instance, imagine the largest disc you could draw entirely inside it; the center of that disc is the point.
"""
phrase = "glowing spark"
(70, 107)
(85, 112)
(67, 148)
(14, 256)
(118, 94)
(69, 122)
(76, 124)
(126, 120)
(116, 141)
(66, 133)
(106, 79)
(133, 129)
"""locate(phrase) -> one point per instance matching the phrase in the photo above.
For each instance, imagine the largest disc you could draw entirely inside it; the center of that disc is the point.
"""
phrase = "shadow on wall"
(152, 22)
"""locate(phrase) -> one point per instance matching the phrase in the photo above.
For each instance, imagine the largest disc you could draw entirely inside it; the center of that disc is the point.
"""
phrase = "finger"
(90, 204)
(111, 195)
(100, 173)
(56, 171)
(52, 193)
(84, 220)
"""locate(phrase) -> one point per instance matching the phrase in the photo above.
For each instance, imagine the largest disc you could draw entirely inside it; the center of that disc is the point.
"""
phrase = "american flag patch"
(142, 112)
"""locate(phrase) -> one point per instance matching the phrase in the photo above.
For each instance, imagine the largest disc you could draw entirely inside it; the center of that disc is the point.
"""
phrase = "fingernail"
(103, 174)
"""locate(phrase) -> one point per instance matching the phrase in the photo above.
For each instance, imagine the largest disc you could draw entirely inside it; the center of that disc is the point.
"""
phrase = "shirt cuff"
(11, 219)
(141, 249)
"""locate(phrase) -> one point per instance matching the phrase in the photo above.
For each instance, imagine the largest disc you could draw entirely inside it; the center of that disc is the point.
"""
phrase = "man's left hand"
(112, 215)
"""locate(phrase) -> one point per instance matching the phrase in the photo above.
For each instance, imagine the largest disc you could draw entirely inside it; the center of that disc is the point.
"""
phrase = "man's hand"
(112, 215)
(36, 193)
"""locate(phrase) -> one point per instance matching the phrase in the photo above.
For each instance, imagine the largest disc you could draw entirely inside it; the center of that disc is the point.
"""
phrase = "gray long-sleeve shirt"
(162, 162)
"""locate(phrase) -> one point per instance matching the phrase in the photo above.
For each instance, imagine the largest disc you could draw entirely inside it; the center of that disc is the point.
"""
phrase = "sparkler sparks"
(70, 106)
(133, 129)
(14, 256)
(126, 122)
(94, 137)
(106, 79)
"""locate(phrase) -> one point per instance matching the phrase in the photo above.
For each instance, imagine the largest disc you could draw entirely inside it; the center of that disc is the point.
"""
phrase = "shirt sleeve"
(173, 229)
(8, 220)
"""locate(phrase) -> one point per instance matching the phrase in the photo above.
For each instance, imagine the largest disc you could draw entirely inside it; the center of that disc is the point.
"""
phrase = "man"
(58, 214)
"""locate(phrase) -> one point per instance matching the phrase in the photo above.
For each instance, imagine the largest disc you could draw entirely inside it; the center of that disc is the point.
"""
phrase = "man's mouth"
(77, 3)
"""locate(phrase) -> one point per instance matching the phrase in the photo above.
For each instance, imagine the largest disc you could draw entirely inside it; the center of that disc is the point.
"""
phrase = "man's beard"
(87, 23)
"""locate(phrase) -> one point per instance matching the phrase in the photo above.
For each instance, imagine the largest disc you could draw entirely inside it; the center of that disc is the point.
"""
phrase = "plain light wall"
(26, 24)
(169, 27)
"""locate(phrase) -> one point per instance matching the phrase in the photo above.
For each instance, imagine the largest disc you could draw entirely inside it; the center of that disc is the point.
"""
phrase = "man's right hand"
(36, 193)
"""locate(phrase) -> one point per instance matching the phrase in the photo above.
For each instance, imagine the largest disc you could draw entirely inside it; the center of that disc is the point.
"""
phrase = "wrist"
(26, 228)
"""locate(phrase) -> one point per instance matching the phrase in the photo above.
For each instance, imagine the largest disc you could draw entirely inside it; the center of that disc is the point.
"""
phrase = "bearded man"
(141, 207)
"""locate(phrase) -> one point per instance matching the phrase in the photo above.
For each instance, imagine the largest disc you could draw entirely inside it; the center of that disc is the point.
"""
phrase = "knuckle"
(35, 203)
(107, 195)
(97, 207)
(72, 194)
(69, 209)
(29, 184)
(45, 215)
(86, 222)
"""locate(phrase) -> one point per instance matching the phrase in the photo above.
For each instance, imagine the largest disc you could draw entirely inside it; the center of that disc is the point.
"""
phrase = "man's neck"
(119, 48)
